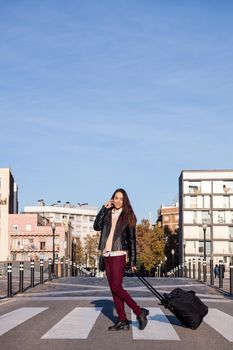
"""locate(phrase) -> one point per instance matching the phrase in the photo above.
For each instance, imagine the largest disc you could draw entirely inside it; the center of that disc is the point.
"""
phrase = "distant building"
(169, 216)
(81, 216)
(206, 197)
(31, 237)
(8, 205)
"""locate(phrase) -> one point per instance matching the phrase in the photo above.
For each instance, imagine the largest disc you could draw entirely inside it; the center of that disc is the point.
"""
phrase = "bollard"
(21, 267)
(32, 274)
(194, 269)
(50, 269)
(199, 270)
(66, 268)
(41, 271)
(185, 270)
(220, 275)
(211, 272)
(9, 279)
(231, 279)
(71, 268)
(74, 268)
(182, 270)
(62, 271)
(189, 268)
(56, 268)
(204, 271)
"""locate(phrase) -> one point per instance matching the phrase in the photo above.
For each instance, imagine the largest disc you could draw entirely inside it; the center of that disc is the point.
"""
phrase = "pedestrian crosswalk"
(79, 322)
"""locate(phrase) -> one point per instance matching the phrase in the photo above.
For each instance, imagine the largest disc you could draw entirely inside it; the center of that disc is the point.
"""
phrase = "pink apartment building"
(31, 237)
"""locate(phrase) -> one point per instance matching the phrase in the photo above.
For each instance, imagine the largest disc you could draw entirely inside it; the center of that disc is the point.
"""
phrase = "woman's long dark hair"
(127, 210)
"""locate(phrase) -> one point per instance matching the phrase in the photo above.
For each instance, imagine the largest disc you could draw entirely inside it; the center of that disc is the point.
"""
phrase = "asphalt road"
(74, 313)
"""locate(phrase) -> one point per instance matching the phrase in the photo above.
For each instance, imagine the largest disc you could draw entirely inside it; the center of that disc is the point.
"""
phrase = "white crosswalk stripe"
(158, 327)
(76, 325)
(79, 322)
(16, 317)
(221, 322)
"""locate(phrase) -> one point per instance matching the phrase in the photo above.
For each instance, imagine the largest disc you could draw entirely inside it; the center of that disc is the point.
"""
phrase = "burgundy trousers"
(115, 268)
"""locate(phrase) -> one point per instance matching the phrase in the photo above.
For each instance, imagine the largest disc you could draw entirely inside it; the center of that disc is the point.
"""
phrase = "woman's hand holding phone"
(109, 204)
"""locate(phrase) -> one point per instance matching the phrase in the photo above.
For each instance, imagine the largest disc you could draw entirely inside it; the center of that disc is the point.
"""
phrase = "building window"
(221, 217)
(195, 217)
(208, 247)
(42, 245)
(226, 202)
(193, 202)
(57, 217)
(206, 217)
(230, 232)
(25, 241)
(166, 218)
(15, 227)
(28, 227)
(194, 187)
(228, 186)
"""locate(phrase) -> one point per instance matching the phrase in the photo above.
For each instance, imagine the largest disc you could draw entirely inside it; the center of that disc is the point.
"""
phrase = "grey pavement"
(75, 312)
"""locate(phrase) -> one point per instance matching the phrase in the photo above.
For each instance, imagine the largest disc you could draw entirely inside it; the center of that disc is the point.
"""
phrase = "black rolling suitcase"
(185, 305)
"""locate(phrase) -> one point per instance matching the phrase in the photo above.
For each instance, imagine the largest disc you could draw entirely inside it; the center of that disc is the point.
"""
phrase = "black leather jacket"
(124, 236)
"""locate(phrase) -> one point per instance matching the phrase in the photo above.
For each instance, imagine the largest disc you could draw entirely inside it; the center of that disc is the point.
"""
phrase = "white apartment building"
(8, 205)
(206, 197)
(81, 216)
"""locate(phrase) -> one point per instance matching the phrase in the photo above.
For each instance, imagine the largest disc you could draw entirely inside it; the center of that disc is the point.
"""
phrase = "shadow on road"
(107, 310)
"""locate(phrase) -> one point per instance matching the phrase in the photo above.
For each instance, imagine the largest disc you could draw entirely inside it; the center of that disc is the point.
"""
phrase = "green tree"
(150, 246)
(171, 240)
(79, 251)
(91, 247)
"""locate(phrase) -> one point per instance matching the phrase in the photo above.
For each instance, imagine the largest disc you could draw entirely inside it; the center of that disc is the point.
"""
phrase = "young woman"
(117, 221)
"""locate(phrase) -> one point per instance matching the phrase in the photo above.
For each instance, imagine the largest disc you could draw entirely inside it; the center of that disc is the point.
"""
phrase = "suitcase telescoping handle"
(151, 288)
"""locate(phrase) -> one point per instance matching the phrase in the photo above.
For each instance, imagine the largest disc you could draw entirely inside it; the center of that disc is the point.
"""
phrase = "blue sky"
(96, 95)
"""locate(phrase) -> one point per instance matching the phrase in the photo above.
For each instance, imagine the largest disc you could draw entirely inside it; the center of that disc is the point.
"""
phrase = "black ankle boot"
(120, 325)
(142, 318)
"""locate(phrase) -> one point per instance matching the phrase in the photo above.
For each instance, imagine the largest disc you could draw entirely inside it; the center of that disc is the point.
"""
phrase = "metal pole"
(204, 271)
(66, 268)
(21, 267)
(182, 270)
(231, 279)
(74, 268)
(32, 274)
(185, 270)
(220, 275)
(71, 267)
(194, 269)
(199, 270)
(211, 272)
(41, 271)
(9, 279)
(53, 229)
(56, 268)
(204, 229)
(62, 271)
(189, 268)
(50, 269)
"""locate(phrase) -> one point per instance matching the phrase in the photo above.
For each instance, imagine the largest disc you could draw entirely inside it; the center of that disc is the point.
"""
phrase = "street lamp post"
(184, 245)
(53, 225)
(204, 226)
(173, 253)
(165, 265)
